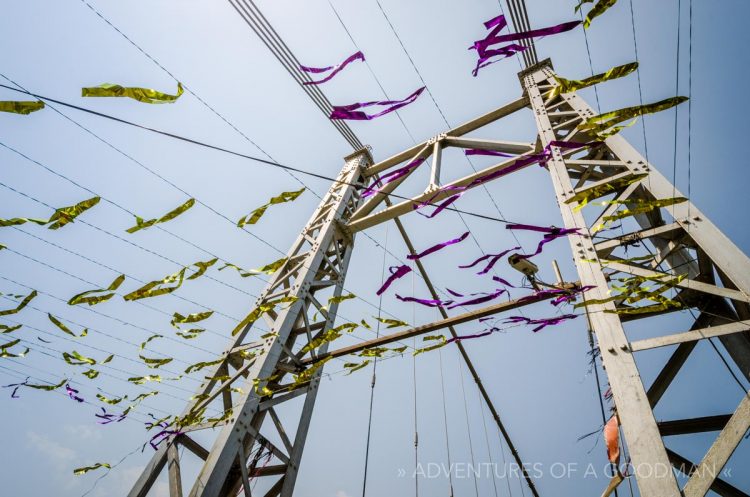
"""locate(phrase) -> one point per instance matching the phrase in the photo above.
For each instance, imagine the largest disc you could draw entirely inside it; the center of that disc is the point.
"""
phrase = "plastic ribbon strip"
(202, 268)
(262, 309)
(442, 342)
(145, 95)
(140, 224)
(435, 248)
(24, 303)
(585, 196)
(17, 221)
(140, 380)
(150, 289)
(493, 38)
(4, 328)
(86, 469)
(84, 298)
(46, 388)
(307, 375)
(73, 393)
(355, 366)
(542, 158)
(76, 359)
(112, 402)
(153, 363)
(255, 215)
(91, 374)
(640, 207)
(4, 349)
(568, 295)
(600, 125)
(599, 9)
(178, 318)
(571, 85)
(493, 153)
(484, 297)
(550, 234)
(59, 218)
(65, 329)
(425, 302)
(493, 258)
(334, 69)
(21, 107)
(392, 323)
(109, 418)
(391, 177)
(329, 336)
(198, 366)
(543, 323)
(267, 269)
(351, 111)
(396, 273)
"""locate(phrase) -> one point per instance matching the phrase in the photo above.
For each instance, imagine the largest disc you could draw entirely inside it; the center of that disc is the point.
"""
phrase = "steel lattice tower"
(711, 276)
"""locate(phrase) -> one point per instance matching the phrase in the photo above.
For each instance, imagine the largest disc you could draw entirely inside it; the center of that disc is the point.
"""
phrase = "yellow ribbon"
(585, 196)
(392, 323)
(86, 469)
(153, 362)
(145, 95)
(255, 215)
(112, 402)
(83, 298)
(46, 388)
(599, 9)
(20, 307)
(571, 85)
(4, 328)
(4, 349)
(354, 366)
(64, 328)
(76, 359)
(262, 309)
(150, 289)
(267, 269)
(307, 375)
(21, 107)
(329, 336)
(65, 215)
(442, 342)
(642, 207)
(91, 374)
(140, 380)
(140, 224)
(202, 268)
(198, 366)
(598, 125)
(178, 318)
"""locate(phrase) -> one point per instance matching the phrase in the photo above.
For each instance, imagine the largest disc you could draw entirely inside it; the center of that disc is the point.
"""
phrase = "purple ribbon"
(543, 322)
(425, 302)
(161, 436)
(493, 260)
(396, 273)
(437, 247)
(391, 177)
(72, 393)
(506, 51)
(542, 158)
(109, 418)
(550, 234)
(336, 69)
(570, 295)
(479, 151)
(351, 111)
(16, 386)
(486, 297)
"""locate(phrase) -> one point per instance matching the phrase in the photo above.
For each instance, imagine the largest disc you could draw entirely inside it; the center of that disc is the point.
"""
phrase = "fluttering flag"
(86, 469)
(140, 224)
(542, 323)
(154, 288)
(437, 247)
(85, 298)
(333, 69)
(145, 95)
(497, 24)
(352, 112)
(551, 233)
(392, 176)
(600, 8)
(21, 107)
(396, 273)
(267, 269)
(255, 215)
(65, 329)
(19, 308)
(571, 85)
(493, 258)
(604, 125)
(76, 359)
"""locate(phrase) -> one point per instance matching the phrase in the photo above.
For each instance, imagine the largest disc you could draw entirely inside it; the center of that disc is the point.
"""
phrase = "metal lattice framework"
(711, 277)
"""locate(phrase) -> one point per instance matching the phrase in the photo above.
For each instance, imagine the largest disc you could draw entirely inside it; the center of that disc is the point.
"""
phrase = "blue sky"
(539, 382)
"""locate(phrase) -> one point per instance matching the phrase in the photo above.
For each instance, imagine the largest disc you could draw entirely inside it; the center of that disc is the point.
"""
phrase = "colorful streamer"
(550, 234)
(202, 268)
(600, 8)
(153, 363)
(91, 374)
(198, 366)
(76, 359)
(145, 95)
(542, 323)
(392, 176)
(585, 196)
(600, 125)
(21, 107)
(4, 328)
(140, 224)
(86, 469)
(255, 215)
(65, 329)
(435, 248)
(355, 366)
(493, 258)
(154, 288)
(20, 307)
(571, 85)
(641, 207)
(4, 349)
(267, 269)
(178, 318)
(73, 393)
(392, 323)
(333, 69)
(351, 111)
(262, 309)
(84, 298)
(46, 388)
(396, 273)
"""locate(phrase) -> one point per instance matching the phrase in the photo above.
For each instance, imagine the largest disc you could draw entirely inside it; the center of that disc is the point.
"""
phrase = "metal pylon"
(701, 269)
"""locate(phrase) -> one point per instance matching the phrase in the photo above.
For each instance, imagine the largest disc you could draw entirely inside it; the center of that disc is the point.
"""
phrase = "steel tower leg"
(313, 272)
(710, 274)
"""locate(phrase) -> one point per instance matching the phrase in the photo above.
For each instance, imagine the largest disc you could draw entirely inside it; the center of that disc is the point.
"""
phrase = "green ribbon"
(21, 107)
(20, 307)
(83, 298)
(571, 85)
(600, 125)
(255, 215)
(140, 224)
(145, 95)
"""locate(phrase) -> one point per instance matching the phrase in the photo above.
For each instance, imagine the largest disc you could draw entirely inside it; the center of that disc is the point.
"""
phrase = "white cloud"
(58, 454)
(341, 493)
(83, 432)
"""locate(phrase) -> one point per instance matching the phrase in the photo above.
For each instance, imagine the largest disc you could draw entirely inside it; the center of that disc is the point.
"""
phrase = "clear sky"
(539, 381)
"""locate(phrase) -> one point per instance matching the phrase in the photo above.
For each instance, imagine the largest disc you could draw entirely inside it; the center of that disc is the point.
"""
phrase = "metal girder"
(683, 249)
(250, 380)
